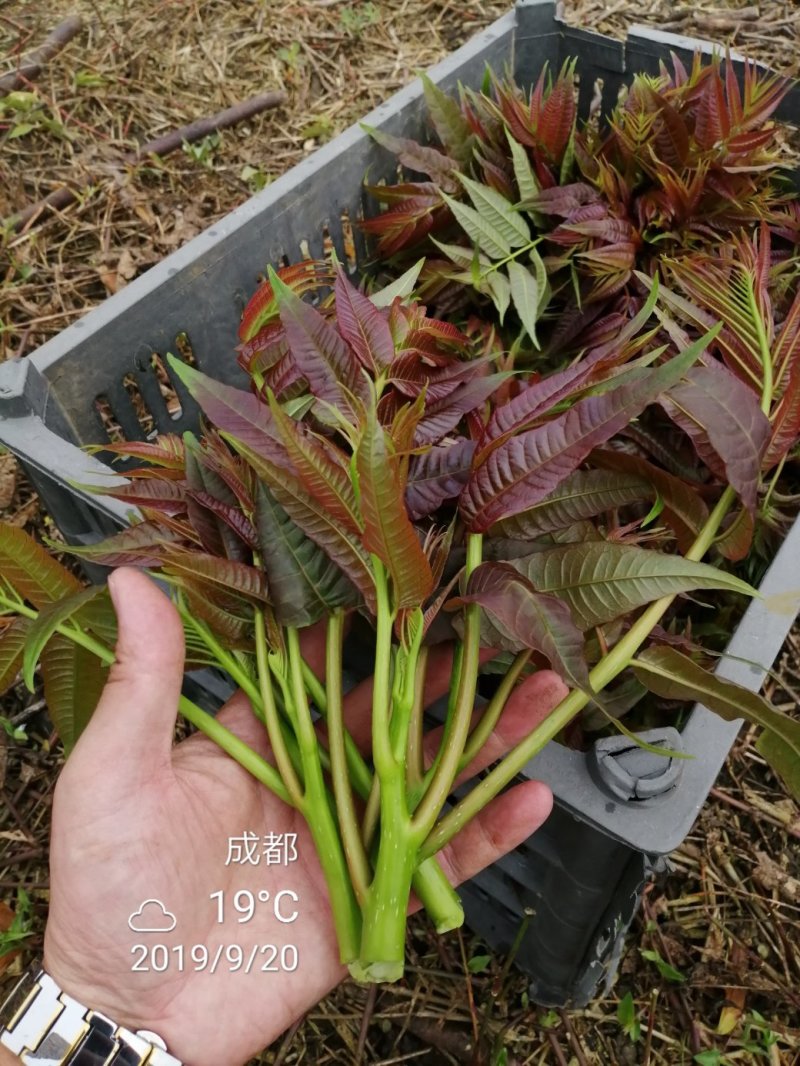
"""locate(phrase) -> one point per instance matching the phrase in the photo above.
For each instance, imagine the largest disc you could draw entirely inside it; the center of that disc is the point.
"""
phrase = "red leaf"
(362, 325)
(785, 421)
(142, 544)
(388, 532)
(524, 469)
(167, 496)
(231, 515)
(417, 157)
(301, 277)
(239, 414)
(166, 451)
(557, 118)
(217, 575)
(684, 510)
(321, 468)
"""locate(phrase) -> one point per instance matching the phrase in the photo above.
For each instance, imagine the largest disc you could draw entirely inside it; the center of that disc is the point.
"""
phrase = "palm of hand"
(111, 851)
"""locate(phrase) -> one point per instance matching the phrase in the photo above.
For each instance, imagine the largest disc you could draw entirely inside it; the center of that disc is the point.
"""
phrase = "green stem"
(357, 861)
(236, 748)
(318, 813)
(359, 772)
(603, 673)
(385, 762)
(274, 726)
(514, 255)
(206, 723)
(384, 933)
(434, 799)
(415, 756)
(255, 692)
(490, 717)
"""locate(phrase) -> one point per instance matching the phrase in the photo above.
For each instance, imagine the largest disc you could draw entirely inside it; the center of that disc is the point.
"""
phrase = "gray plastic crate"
(576, 884)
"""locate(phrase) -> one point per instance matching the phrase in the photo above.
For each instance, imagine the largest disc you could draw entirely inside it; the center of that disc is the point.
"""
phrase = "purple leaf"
(237, 413)
(321, 354)
(521, 617)
(722, 417)
(444, 415)
(437, 476)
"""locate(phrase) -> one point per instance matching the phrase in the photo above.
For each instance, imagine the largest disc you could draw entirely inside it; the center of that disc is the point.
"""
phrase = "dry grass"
(726, 917)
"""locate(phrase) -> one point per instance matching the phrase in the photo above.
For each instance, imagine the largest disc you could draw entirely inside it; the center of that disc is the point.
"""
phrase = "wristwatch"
(46, 1027)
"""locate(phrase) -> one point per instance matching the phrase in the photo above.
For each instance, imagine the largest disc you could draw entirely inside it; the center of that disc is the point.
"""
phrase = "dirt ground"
(712, 967)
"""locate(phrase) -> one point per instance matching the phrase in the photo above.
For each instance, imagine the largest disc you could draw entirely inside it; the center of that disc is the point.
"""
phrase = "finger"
(312, 647)
(503, 825)
(527, 706)
(132, 728)
(438, 673)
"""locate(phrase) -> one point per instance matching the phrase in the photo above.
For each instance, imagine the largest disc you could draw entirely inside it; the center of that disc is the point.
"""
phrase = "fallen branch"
(31, 68)
(160, 146)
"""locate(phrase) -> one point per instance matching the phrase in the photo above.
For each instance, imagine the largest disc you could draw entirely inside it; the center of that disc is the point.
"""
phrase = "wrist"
(8, 1058)
(41, 1021)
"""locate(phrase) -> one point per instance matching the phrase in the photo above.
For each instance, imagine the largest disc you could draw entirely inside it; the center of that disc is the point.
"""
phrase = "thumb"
(134, 722)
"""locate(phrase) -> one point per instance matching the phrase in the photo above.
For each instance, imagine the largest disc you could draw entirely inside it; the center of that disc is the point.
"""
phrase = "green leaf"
(21, 129)
(602, 581)
(12, 644)
(479, 963)
(527, 183)
(663, 967)
(463, 257)
(542, 283)
(669, 673)
(498, 212)
(400, 287)
(481, 232)
(30, 570)
(451, 127)
(783, 759)
(21, 924)
(525, 296)
(500, 292)
(711, 1057)
(304, 583)
(73, 681)
(46, 624)
(388, 531)
(627, 1017)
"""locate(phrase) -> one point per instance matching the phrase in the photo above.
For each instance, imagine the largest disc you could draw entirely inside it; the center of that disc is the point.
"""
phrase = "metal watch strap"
(47, 1027)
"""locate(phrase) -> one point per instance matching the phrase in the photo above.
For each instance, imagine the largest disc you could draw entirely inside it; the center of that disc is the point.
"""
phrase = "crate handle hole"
(140, 408)
(105, 412)
(168, 392)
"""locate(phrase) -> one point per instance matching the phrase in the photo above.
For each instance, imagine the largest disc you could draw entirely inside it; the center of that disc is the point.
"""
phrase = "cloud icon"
(152, 917)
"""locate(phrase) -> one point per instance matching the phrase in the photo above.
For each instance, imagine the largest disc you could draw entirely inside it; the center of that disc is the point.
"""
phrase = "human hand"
(136, 818)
